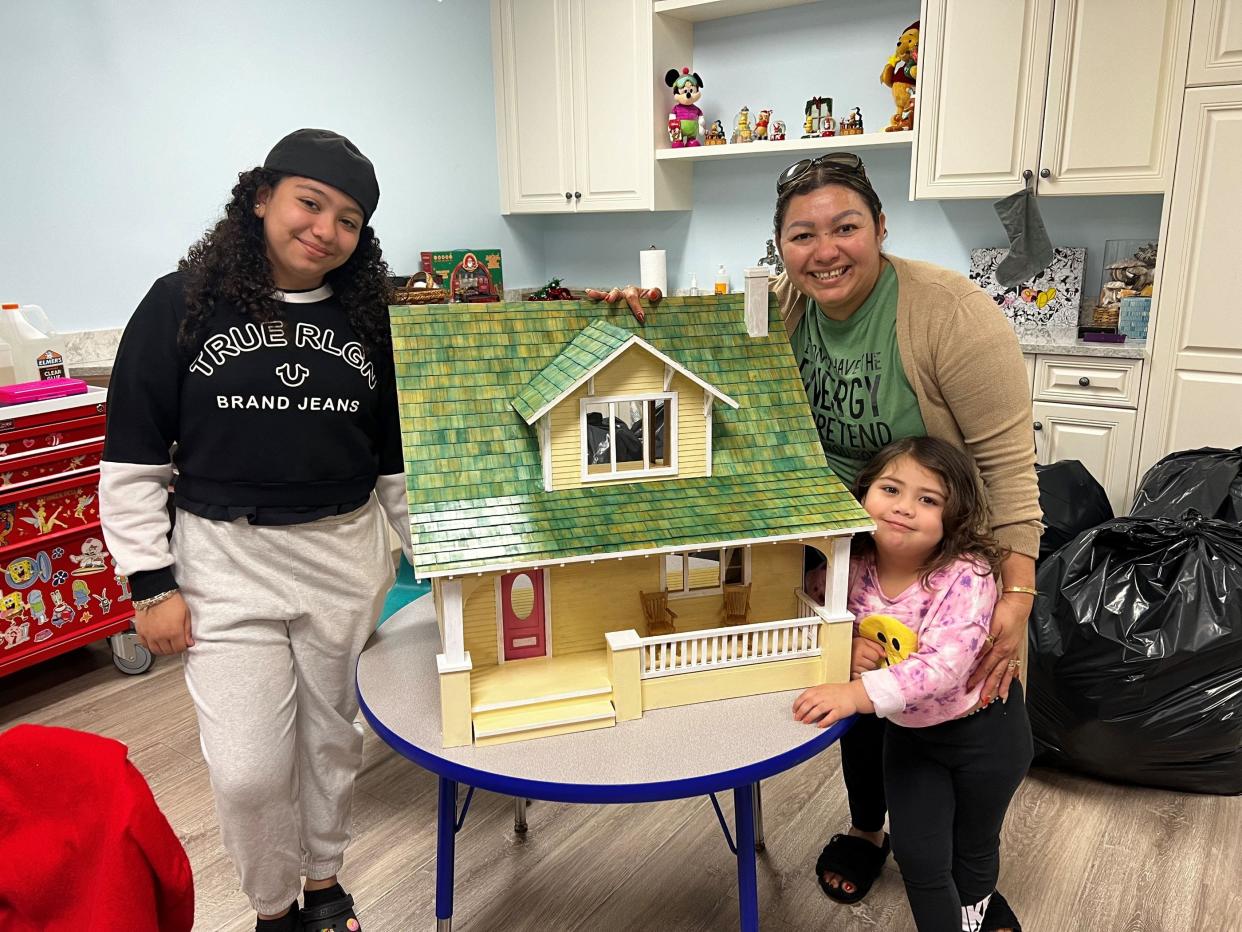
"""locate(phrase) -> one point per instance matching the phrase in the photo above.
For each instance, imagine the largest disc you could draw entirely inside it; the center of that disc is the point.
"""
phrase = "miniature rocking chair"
(657, 613)
(737, 604)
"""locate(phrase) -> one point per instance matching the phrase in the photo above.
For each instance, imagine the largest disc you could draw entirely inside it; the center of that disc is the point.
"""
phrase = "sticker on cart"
(79, 510)
(105, 603)
(86, 618)
(15, 634)
(6, 523)
(81, 594)
(36, 606)
(91, 559)
(24, 572)
(62, 611)
(123, 582)
(42, 635)
(39, 518)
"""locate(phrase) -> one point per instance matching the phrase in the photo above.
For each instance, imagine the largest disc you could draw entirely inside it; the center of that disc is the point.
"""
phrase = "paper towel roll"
(652, 269)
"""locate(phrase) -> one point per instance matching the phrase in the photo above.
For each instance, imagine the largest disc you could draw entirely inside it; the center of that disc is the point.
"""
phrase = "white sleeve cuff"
(133, 509)
(883, 691)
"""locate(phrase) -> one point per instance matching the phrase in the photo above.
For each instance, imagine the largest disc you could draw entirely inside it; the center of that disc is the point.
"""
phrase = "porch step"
(543, 719)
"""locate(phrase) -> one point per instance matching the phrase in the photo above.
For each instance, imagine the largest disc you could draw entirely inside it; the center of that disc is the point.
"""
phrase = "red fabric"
(82, 843)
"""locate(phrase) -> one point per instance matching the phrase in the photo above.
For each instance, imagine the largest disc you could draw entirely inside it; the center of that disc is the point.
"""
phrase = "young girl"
(922, 588)
(262, 370)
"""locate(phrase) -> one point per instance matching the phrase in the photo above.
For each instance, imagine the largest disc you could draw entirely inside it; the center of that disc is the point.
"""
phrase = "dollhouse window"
(629, 437)
(704, 572)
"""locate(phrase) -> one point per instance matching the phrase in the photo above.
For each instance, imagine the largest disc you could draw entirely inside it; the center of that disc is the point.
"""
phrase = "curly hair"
(230, 264)
(965, 517)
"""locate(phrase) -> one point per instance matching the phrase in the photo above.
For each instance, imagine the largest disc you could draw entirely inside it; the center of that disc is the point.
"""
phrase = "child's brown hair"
(965, 516)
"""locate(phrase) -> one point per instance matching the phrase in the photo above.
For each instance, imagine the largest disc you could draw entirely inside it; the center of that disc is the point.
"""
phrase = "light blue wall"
(776, 60)
(125, 124)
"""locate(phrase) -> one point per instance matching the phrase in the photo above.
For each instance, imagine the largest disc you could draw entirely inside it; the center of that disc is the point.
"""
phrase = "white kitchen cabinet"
(1216, 43)
(1102, 439)
(1195, 394)
(1082, 94)
(574, 134)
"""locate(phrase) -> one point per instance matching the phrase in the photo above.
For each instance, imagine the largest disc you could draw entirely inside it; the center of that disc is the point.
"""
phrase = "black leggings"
(947, 788)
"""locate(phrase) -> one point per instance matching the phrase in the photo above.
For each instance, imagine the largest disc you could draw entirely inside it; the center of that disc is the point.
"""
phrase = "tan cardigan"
(963, 361)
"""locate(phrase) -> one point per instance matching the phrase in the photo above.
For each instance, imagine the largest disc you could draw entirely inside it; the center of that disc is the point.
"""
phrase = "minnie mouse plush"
(685, 122)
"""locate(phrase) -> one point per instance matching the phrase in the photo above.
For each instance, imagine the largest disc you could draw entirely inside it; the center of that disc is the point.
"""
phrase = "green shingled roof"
(473, 466)
(580, 357)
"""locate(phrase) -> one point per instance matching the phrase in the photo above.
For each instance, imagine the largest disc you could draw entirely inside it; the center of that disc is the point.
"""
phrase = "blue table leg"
(747, 887)
(446, 838)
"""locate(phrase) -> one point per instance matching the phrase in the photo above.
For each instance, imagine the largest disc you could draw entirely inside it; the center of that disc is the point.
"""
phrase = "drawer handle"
(1039, 425)
(568, 196)
(1045, 173)
(577, 195)
(1084, 381)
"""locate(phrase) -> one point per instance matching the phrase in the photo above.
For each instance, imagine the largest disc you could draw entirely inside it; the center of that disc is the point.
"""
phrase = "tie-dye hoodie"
(951, 617)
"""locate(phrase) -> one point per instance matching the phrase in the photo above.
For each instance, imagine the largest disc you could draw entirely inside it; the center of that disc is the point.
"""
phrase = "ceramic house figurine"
(715, 135)
(742, 131)
(900, 73)
(612, 514)
(819, 121)
(777, 133)
(687, 89)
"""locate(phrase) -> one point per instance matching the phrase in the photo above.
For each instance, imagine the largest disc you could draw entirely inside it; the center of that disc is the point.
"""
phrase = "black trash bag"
(1136, 654)
(1072, 502)
(1209, 480)
(629, 446)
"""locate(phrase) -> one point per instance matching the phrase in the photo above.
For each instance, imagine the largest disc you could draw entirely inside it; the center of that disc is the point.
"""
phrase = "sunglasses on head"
(838, 161)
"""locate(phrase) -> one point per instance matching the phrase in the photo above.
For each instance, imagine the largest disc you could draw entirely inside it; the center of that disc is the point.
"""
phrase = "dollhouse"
(613, 515)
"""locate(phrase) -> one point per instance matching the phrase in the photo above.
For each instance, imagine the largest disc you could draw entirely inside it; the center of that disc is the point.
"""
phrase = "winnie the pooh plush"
(899, 74)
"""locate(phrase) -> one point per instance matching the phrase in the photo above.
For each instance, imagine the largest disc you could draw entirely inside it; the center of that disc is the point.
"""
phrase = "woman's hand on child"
(631, 294)
(828, 703)
(164, 628)
(994, 668)
(865, 655)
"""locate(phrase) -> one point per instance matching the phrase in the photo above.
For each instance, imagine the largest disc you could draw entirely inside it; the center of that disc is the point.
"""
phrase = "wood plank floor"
(1079, 855)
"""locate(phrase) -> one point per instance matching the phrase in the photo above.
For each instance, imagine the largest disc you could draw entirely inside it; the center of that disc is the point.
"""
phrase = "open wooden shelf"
(698, 11)
(816, 144)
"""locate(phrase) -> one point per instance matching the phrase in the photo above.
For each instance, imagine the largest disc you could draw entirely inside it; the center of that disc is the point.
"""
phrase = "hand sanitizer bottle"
(722, 281)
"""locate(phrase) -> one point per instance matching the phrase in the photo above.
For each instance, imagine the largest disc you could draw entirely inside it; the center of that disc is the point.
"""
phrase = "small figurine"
(900, 74)
(777, 133)
(819, 121)
(761, 124)
(852, 123)
(687, 89)
(743, 131)
(715, 135)
(772, 258)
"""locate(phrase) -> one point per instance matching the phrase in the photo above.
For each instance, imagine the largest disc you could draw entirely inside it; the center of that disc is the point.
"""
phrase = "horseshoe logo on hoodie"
(293, 376)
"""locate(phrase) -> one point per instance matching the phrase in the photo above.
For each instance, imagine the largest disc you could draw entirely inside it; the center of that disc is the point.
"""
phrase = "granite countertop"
(1127, 350)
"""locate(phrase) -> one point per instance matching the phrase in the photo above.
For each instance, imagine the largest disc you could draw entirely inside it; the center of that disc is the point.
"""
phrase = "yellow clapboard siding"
(479, 619)
(775, 572)
(589, 600)
(634, 372)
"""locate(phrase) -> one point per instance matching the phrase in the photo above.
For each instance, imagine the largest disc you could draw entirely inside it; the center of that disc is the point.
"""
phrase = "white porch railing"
(716, 648)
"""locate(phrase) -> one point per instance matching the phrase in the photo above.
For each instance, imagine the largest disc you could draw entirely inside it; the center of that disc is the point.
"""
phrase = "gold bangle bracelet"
(1026, 589)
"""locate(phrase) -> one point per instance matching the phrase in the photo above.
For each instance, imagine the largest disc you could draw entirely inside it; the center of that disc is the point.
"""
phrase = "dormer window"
(628, 437)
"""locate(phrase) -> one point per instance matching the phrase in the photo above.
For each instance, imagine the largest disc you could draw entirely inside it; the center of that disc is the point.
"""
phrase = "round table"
(693, 750)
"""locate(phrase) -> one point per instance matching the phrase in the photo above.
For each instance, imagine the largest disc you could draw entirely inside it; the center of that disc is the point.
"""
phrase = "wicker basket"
(419, 289)
(1105, 315)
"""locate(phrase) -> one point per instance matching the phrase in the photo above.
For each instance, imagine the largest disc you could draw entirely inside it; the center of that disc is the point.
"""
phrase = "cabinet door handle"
(568, 196)
(577, 195)
(1039, 425)
(1045, 173)
(1028, 175)
(1084, 381)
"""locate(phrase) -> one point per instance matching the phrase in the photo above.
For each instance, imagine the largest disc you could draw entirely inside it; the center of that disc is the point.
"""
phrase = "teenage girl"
(923, 589)
(261, 372)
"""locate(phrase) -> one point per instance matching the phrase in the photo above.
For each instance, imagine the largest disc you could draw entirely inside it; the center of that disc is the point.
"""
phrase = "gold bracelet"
(141, 605)
(1026, 589)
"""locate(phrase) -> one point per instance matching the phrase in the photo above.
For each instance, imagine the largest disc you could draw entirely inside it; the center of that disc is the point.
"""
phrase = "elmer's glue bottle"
(36, 354)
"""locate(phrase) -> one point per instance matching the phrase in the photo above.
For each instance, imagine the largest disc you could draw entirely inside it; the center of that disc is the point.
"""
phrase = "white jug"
(35, 352)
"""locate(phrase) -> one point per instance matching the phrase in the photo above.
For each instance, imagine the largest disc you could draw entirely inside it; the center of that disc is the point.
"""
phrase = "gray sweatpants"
(279, 616)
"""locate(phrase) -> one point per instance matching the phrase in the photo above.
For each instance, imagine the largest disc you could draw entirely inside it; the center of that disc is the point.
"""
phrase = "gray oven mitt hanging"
(1030, 251)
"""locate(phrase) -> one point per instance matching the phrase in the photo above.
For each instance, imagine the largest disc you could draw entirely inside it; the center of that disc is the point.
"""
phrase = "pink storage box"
(40, 391)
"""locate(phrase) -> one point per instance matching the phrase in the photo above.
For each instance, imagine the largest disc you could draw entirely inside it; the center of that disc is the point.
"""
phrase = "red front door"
(522, 614)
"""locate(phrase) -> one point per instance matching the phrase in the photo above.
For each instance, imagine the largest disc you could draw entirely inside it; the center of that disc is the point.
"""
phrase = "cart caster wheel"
(140, 664)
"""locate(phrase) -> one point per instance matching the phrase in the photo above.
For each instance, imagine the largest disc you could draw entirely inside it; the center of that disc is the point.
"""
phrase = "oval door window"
(522, 597)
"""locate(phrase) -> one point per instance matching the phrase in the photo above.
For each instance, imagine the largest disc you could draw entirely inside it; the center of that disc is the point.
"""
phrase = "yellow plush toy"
(898, 641)
(900, 74)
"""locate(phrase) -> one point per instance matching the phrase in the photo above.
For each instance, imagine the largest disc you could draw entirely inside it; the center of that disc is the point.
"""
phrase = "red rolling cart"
(59, 588)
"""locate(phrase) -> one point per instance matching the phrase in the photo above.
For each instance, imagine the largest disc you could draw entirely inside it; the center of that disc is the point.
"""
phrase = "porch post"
(625, 671)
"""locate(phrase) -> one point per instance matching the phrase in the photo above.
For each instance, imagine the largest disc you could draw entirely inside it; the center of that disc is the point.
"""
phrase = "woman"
(265, 365)
(891, 348)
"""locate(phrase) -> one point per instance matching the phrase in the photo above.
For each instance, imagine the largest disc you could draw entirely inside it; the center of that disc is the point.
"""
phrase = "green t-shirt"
(854, 380)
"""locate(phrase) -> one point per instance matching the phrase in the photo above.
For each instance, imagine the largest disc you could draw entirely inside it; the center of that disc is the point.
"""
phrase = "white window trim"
(670, 415)
(687, 593)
